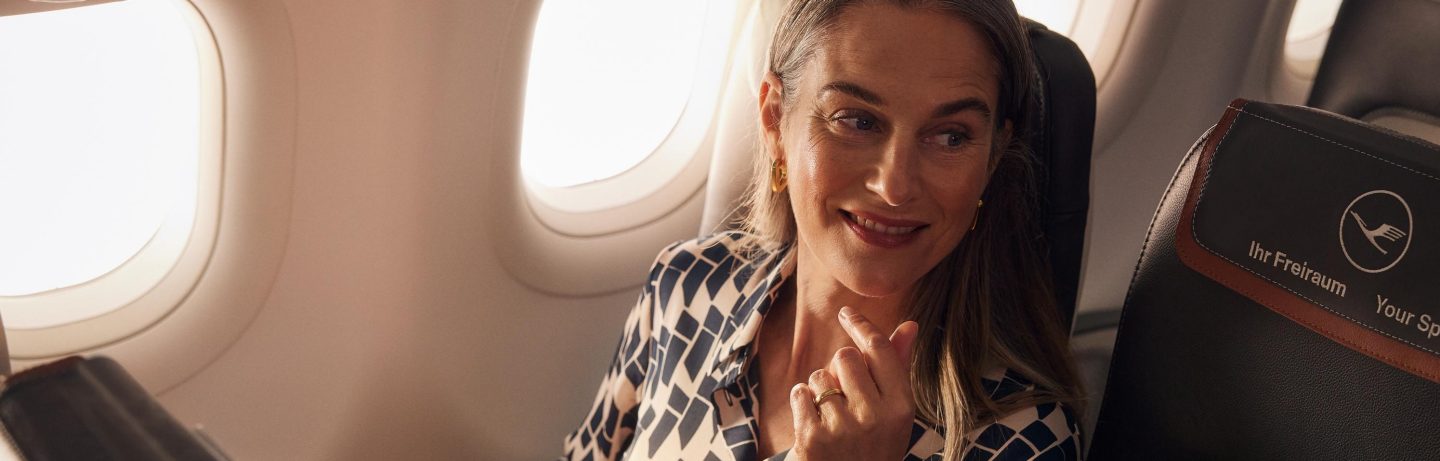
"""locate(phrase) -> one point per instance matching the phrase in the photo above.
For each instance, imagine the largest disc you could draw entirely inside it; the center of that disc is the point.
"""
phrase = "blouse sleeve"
(606, 431)
(1042, 432)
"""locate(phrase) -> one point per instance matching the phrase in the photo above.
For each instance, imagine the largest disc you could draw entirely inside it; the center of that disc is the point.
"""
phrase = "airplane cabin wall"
(392, 331)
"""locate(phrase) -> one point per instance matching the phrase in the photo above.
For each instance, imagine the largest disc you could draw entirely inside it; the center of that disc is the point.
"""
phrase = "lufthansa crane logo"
(1375, 231)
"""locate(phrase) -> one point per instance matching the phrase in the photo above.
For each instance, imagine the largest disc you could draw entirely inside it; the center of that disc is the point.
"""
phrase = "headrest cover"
(1330, 222)
(1380, 55)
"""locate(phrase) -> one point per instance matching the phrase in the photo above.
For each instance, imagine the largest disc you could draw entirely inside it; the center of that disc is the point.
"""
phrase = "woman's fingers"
(833, 407)
(802, 410)
(889, 366)
(904, 339)
(848, 366)
(864, 394)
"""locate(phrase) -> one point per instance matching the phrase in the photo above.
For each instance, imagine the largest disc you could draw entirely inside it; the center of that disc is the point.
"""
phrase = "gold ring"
(826, 394)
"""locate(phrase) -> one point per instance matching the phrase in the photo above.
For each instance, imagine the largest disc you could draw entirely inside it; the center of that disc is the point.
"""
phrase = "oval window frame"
(258, 113)
(152, 282)
(667, 178)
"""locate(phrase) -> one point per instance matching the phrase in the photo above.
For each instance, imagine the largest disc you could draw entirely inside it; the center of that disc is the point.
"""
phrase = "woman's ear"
(771, 108)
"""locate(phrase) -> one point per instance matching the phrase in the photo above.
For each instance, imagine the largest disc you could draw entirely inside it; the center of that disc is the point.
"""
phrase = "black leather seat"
(1280, 309)
(1064, 129)
(1381, 55)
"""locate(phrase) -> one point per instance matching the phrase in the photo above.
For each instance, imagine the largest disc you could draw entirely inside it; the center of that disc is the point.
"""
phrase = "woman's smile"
(882, 231)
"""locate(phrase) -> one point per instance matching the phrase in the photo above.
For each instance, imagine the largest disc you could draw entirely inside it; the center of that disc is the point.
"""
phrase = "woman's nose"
(893, 176)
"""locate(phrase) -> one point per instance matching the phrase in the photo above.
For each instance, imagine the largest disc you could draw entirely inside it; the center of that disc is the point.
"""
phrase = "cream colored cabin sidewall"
(394, 330)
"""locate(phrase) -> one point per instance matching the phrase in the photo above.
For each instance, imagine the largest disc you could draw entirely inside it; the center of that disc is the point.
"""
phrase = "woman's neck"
(814, 322)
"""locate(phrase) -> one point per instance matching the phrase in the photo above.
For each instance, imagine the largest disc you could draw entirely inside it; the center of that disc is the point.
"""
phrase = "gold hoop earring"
(978, 206)
(777, 176)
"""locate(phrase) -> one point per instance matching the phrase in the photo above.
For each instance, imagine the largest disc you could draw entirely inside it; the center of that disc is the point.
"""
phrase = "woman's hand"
(871, 417)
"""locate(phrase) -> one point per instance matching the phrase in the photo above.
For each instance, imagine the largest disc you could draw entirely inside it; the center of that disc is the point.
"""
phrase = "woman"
(871, 310)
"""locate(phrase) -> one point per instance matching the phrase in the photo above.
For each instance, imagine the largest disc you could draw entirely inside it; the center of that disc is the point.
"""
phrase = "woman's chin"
(877, 287)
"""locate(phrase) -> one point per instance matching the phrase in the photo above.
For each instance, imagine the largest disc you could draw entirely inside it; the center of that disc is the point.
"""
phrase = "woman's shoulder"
(1042, 431)
(719, 269)
(1000, 382)
(715, 249)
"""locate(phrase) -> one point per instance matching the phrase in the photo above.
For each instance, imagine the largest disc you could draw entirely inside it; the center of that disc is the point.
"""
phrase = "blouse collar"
(774, 266)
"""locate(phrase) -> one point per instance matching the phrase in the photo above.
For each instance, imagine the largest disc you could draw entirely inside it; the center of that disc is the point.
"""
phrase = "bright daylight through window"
(1096, 26)
(1309, 30)
(98, 144)
(1056, 15)
(607, 83)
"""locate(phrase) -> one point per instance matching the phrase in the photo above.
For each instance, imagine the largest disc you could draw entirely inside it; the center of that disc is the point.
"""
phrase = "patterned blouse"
(684, 381)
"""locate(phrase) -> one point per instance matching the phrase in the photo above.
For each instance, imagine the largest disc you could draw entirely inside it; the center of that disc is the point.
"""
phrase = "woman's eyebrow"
(945, 110)
(962, 105)
(853, 90)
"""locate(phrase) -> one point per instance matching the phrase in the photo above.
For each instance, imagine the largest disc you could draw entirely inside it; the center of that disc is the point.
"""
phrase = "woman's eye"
(861, 123)
(950, 139)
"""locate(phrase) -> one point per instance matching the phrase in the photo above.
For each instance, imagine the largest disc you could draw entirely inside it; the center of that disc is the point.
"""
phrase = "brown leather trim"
(1298, 310)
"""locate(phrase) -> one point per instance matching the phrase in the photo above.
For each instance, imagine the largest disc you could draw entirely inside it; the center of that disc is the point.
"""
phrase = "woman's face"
(887, 144)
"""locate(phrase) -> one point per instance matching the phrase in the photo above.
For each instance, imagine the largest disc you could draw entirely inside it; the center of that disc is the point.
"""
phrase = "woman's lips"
(882, 232)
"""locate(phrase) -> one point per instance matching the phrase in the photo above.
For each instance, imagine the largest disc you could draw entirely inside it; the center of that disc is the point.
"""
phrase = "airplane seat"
(1376, 68)
(1060, 140)
(1280, 309)
(1380, 65)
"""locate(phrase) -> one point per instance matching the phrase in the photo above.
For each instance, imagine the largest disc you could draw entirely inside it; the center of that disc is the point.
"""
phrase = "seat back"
(1380, 65)
(1280, 308)
(1063, 131)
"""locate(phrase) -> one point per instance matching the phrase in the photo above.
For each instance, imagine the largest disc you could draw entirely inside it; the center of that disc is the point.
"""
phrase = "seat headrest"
(1312, 216)
(1284, 300)
(1381, 55)
(1062, 132)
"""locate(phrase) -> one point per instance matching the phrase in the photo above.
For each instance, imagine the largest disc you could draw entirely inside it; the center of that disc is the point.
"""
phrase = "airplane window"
(1056, 15)
(620, 109)
(99, 149)
(1305, 38)
(1096, 26)
(607, 83)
